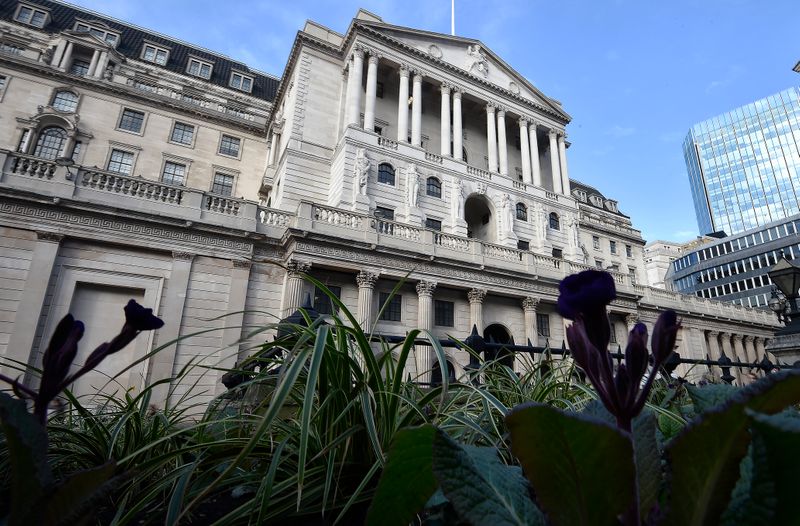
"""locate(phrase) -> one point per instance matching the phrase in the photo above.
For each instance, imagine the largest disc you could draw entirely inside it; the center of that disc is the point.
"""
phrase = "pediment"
(469, 55)
(88, 39)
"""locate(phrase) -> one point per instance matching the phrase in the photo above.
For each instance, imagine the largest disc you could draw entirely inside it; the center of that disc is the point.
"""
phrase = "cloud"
(618, 131)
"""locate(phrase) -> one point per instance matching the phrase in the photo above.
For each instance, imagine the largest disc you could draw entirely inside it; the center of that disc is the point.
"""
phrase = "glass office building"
(744, 165)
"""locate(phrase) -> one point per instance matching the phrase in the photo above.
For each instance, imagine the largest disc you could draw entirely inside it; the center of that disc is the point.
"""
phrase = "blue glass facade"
(744, 165)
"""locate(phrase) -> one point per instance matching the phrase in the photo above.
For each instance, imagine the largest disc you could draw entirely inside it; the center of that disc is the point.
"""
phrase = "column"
(416, 110)
(529, 305)
(354, 88)
(741, 356)
(402, 106)
(444, 130)
(55, 61)
(759, 344)
(102, 62)
(93, 63)
(366, 280)
(562, 155)
(750, 349)
(536, 172)
(501, 139)
(630, 322)
(293, 295)
(234, 319)
(25, 140)
(372, 87)
(698, 349)
(29, 309)
(556, 173)
(491, 137)
(525, 151)
(458, 134)
(727, 348)
(67, 58)
(162, 363)
(476, 297)
(272, 147)
(424, 354)
(714, 351)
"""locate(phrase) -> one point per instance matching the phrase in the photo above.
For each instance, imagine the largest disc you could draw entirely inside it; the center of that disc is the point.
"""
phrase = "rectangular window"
(155, 54)
(76, 150)
(30, 16)
(523, 245)
(241, 82)
(120, 162)
(10, 49)
(323, 303)
(598, 263)
(543, 324)
(131, 120)
(229, 145)
(444, 313)
(628, 251)
(223, 184)
(613, 333)
(392, 311)
(182, 133)
(596, 242)
(632, 274)
(613, 246)
(433, 224)
(385, 213)
(558, 253)
(174, 173)
(198, 68)
(79, 67)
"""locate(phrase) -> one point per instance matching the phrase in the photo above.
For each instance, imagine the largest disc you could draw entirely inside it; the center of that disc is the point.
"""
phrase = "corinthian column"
(424, 353)
(556, 173)
(458, 136)
(562, 155)
(491, 137)
(476, 297)
(536, 172)
(529, 305)
(525, 151)
(714, 351)
(293, 297)
(416, 111)
(354, 88)
(402, 106)
(372, 86)
(502, 147)
(444, 129)
(366, 286)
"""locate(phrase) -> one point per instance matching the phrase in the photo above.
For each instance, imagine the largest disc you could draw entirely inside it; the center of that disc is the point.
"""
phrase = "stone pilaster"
(416, 110)
(491, 137)
(458, 134)
(402, 106)
(562, 155)
(234, 320)
(293, 295)
(525, 150)
(536, 172)
(444, 129)
(366, 280)
(424, 354)
(354, 88)
(529, 305)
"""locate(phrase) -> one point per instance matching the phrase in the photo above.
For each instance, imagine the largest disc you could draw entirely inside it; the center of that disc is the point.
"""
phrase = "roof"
(132, 38)
(591, 190)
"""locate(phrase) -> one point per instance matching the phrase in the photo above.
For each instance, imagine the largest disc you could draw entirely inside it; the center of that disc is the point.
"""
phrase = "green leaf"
(709, 396)
(704, 459)
(752, 500)
(75, 499)
(581, 468)
(648, 460)
(407, 481)
(482, 490)
(26, 440)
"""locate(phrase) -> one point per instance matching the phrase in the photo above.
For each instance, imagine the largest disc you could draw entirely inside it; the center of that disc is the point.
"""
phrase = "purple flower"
(585, 295)
(57, 359)
(141, 319)
(664, 335)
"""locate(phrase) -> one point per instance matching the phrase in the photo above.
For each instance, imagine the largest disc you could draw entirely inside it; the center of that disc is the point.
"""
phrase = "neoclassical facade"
(383, 158)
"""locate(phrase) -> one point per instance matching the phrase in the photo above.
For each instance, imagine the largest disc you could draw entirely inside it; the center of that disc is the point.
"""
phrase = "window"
(79, 67)
(596, 242)
(555, 224)
(632, 274)
(433, 224)
(392, 308)
(522, 212)
(386, 173)
(106, 36)
(199, 68)
(613, 333)
(322, 302)
(628, 251)
(31, 16)
(241, 82)
(612, 245)
(11, 49)
(120, 162)
(174, 173)
(378, 130)
(155, 54)
(50, 143)
(598, 263)
(223, 184)
(3, 84)
(76, 150)
(182, 134)
(433, 187)
(543, 324)
(131, 120)
(65, 100)
(523, 245)
(229, 145)
(558, 253)
(385, 213)
(443, 313)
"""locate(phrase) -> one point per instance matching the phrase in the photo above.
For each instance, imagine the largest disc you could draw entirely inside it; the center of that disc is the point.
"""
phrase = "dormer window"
(106, 36)
(241, 82)
(31, 16)
(596, 200)
(155, 54)
(200, 68)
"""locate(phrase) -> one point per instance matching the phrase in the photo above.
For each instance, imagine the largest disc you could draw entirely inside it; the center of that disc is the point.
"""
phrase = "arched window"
(50, 143)
(65, 100)
(522, 212)
(555, 224)
(386, 173)
(434, 187)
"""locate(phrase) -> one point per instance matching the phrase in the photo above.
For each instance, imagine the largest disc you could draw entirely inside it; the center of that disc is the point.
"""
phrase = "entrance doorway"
(496, 333)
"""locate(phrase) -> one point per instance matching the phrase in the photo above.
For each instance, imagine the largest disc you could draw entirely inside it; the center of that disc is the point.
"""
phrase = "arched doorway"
(496, 333)
(480, 218)
(436, 373)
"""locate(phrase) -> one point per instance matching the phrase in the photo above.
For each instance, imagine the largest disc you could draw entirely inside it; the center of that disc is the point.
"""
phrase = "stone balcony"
(25, 175)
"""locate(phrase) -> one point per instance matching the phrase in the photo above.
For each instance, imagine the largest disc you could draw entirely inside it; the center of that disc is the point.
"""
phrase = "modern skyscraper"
(744, 165)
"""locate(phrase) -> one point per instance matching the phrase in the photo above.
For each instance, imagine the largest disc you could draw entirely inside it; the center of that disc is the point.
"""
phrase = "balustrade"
(432, 157)
(457, 243)
(269, 216)
(477, 172)
(335, 216)
(222, 205)
(130, 186)
(390, 228)
(32, 166)
(387, 143)
(501, 252)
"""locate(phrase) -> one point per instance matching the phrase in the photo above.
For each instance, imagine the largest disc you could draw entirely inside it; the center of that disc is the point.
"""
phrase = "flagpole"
(453, 17)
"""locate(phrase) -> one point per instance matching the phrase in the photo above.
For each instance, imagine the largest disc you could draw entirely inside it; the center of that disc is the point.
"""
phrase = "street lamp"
(777, 304)
(786, 276)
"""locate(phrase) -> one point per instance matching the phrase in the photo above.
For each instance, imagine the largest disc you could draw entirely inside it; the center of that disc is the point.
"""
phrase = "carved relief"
(295, 267)
(476, 295)
(361, 172)
(426, 288)
(529, 303)
(367, 278)
(435, 51)
(476, 61)
(513, 87)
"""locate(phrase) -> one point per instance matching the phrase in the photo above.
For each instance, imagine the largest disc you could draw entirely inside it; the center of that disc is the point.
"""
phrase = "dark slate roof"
(132, 38)
(577, 185)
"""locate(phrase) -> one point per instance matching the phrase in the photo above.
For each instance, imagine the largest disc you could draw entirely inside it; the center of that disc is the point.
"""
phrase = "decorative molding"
(477, 295)
(52, 237)
(529, 303)
(367, 279)
(185, 256)
(435, 51)
(631, 320)
(242, 263)
(426, 288)
(295, 267)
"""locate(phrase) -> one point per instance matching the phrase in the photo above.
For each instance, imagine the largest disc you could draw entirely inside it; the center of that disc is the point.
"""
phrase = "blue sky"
(634, 75)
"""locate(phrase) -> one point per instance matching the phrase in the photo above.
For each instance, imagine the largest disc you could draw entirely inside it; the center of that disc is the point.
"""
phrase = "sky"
(633, 75)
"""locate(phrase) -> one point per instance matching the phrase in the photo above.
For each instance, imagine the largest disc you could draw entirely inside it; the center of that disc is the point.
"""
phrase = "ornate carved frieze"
(367, 278)
(426, 288)
(242, 263)
(476, 295)
(52, 237)
(529, 303)
(185, 256)
(296, 267)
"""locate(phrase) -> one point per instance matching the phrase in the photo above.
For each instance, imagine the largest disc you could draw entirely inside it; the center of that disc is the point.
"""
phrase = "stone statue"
(361, 171)
(508, 216)
(412, 185)
(476, 60)
(109, 73)
(457, 198)
(47, 58)
(541, 217)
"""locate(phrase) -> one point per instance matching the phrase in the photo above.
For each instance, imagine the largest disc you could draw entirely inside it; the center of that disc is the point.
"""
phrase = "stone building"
(136, 165)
